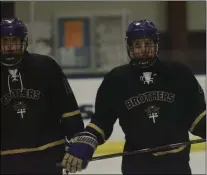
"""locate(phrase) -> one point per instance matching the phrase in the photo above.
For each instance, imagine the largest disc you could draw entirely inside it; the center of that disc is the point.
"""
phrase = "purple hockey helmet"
(142, 31)
(14, 41)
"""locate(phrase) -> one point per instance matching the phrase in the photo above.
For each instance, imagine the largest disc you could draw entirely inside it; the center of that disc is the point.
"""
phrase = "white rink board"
(85, 92)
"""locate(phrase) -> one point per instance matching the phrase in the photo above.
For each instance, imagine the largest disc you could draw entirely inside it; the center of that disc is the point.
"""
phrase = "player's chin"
(142, 55)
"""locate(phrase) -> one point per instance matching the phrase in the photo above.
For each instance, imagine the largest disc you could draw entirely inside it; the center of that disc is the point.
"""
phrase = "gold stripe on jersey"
(183, 147)
(99, 130)
(170, 151)
(26, 150)
(197, 121)
(70, 114)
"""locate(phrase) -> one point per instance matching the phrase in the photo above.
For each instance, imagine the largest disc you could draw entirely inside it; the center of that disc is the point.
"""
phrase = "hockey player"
(38, 107)
(157, 103)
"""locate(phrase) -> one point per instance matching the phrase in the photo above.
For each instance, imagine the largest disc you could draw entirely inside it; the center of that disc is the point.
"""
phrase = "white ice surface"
(113, 165)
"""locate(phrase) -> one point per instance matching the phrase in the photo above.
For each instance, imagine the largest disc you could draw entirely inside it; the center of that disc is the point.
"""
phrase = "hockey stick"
(146, 150)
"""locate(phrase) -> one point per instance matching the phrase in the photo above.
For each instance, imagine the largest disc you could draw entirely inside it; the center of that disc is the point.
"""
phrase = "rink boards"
(85, 92)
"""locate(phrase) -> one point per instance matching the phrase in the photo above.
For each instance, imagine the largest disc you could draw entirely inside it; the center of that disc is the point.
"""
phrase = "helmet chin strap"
(11, 64)
(146, 63)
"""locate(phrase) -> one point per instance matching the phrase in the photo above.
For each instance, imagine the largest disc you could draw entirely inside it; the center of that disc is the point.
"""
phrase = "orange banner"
(74, 34)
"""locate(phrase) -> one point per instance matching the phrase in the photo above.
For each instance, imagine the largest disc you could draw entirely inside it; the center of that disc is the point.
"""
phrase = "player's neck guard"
(11, 60)
(144, 63)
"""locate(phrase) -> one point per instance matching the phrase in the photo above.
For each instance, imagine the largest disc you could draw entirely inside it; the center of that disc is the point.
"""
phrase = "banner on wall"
(73, 42)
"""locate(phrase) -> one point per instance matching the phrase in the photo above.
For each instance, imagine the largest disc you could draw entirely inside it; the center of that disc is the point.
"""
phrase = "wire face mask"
(12, 50)
(142, 49)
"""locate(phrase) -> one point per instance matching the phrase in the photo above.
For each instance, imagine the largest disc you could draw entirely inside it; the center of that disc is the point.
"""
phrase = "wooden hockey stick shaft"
(146, 150)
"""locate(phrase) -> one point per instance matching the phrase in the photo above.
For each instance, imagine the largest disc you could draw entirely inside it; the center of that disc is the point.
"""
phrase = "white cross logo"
(21, 112)
(153, 116)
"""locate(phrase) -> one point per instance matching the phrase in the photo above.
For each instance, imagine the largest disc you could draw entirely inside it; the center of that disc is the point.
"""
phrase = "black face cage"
(149, 45)
(18, 50)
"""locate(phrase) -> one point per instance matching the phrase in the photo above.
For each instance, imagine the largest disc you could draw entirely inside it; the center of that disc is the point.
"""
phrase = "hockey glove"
(79, 152)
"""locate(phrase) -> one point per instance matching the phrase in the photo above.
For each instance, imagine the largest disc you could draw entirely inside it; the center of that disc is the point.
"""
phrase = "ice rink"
(112, 166)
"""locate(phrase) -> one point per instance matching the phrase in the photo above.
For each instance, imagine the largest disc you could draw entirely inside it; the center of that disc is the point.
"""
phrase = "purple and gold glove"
(79, 152)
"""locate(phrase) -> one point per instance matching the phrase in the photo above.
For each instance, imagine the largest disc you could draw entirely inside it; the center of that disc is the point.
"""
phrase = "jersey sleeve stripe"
(25, 150)
(197, 121)
(99, 130)
(70, 114)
